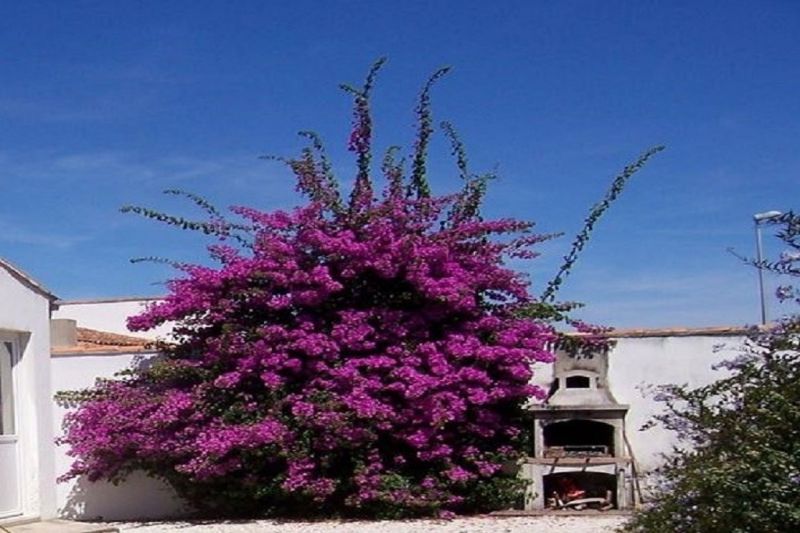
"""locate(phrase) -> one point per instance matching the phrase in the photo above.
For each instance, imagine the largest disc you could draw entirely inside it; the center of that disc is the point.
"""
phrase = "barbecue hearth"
(580, 459)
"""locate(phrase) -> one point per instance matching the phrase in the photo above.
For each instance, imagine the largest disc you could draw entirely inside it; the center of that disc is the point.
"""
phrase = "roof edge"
(24, 278)
(706, 331)
(106, 350)
(120, 299)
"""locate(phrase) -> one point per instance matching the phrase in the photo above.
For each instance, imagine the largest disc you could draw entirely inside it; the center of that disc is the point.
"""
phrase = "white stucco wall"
(109, 315)
(637, 362)
(24, 314)
(634, 362)
(139, 497)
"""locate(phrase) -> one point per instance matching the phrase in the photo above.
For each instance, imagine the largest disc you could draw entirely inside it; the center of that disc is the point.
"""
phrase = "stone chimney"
(63, 333)
(581, 380)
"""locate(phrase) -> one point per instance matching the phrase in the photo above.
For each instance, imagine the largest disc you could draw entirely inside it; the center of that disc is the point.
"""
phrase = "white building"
(27, 470)
(109, 315)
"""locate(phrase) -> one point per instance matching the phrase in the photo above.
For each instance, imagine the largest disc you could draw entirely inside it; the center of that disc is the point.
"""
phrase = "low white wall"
(633, 363)
(139, 497)
(110, 315)
(638, 362)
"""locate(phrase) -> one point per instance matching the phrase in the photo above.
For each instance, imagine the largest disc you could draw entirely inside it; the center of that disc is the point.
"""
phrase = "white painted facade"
(139, 497)
(27, 470)
(638, 362)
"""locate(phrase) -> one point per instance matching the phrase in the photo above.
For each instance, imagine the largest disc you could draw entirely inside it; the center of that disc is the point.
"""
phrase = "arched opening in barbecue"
(580, 490)
(578, 438)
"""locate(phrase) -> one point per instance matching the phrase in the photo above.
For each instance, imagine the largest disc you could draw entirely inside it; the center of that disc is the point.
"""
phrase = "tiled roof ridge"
(105, 338)
(706, 331)
(93, 336)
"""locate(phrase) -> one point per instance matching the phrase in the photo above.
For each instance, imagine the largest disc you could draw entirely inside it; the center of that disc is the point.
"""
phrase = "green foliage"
(738, 466)
(419, 182)
(215, 226)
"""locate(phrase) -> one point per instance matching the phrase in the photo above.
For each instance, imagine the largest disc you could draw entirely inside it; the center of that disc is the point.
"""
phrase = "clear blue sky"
(108, 103)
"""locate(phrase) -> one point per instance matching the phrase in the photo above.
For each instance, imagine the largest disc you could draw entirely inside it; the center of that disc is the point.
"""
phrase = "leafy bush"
(738, 467)
(358, 357)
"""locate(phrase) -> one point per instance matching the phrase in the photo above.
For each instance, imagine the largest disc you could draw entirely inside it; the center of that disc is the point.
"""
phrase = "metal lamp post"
(758, 218)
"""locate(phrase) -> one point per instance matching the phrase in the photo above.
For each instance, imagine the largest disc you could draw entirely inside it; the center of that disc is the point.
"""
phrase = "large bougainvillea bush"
(361, 356)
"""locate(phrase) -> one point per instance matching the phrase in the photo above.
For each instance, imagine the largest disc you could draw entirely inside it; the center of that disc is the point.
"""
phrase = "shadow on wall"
(139, 497)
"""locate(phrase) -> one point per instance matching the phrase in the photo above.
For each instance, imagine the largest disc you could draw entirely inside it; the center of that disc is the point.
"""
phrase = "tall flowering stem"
(325, 188)
(468, 204)
(393, 172)
(419, 186)
(361, 139)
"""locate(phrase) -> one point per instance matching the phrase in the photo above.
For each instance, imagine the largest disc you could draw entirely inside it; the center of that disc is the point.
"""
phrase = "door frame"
(16, 356)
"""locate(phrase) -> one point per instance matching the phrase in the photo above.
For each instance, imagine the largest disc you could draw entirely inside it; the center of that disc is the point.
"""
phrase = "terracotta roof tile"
(93, 336)
(91, 341)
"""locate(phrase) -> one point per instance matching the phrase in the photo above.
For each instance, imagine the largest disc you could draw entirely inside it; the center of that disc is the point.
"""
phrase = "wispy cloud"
(118, 166)
(12, 233)
(663, 298)
(663, 282)
(95, 92)
(80, 108)
(83, 191)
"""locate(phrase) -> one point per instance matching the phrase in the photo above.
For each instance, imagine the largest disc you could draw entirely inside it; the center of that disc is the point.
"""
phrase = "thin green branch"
(582, 238)
(419, 183)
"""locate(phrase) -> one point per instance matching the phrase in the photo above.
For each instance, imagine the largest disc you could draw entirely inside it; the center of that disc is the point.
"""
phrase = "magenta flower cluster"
(349, 360)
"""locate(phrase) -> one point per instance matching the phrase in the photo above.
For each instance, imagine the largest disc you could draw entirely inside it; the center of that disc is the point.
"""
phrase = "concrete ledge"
(18, 520)
(61, 526)
(586, 513)
(723, 331)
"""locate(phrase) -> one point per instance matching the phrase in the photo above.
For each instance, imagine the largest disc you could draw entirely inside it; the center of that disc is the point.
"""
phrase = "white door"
(9, 439)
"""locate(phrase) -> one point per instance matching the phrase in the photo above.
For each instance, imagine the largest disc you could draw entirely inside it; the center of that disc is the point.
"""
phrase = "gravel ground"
(532, 524)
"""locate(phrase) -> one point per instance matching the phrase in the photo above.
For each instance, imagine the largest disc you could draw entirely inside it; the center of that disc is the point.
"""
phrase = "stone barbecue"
(580, 456)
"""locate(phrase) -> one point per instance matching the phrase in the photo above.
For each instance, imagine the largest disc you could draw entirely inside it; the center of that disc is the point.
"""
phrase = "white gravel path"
(533, 524)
